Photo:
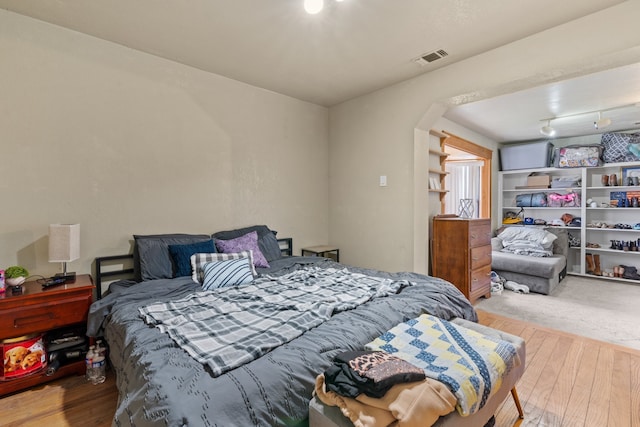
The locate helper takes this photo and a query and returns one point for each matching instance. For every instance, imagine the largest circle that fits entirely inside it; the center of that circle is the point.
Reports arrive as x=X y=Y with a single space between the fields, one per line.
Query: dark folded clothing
x=370 y=372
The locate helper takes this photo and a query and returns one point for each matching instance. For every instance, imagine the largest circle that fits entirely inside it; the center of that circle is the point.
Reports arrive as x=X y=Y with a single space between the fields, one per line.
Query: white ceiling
x=350 y=48
x=518 y=116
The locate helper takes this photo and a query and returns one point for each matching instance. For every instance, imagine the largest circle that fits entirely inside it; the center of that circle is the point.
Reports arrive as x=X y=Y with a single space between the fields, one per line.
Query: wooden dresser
x=461 y=254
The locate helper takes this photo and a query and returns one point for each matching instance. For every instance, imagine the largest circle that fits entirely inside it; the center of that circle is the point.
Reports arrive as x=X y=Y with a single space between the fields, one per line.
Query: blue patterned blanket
x=469 y=363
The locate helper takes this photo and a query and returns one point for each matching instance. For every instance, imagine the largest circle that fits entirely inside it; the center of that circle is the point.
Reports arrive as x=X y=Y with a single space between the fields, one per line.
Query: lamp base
x=69 y=276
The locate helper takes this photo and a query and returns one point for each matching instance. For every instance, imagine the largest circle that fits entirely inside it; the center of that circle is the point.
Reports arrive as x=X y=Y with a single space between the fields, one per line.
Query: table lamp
x=64 y=246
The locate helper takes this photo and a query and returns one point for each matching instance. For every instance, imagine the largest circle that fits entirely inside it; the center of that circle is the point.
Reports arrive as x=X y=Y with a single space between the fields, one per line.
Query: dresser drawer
x=480 y=256
x=479 y=234
x=41 y=317
x=480 y=279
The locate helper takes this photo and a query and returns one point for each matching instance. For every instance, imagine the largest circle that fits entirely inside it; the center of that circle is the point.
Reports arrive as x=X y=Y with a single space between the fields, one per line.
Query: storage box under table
x=526 y=156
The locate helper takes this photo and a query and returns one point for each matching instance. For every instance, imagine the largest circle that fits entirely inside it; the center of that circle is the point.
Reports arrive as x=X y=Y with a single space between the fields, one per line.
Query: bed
x=160 y=383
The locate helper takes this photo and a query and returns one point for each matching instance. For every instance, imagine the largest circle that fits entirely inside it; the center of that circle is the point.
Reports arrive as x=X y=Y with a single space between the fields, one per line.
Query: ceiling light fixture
x=601 y=122
x=315 y=6
x=547 y=130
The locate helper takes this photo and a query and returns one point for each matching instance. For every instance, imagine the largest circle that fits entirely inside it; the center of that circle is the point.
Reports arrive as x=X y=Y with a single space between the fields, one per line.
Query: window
x=468 y=179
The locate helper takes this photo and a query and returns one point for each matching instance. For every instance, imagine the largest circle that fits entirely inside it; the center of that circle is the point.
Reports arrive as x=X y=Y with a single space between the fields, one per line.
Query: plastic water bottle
x=88 y=361
x=99 y=363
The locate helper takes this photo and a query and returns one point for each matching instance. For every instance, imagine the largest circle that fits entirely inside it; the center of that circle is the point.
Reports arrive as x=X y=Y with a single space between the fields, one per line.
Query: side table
x=36 y=310
x=324 y=251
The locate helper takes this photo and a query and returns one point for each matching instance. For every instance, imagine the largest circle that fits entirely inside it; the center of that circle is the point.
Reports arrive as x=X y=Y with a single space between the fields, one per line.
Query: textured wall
x=124 y=142
x=375 y=226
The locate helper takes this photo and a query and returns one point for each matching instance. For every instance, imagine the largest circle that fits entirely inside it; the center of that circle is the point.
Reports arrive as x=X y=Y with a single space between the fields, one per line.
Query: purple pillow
x=247 y=242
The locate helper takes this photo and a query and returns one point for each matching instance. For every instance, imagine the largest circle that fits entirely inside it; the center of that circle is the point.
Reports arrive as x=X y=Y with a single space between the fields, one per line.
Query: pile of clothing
x=416 y=372
x=375 y=389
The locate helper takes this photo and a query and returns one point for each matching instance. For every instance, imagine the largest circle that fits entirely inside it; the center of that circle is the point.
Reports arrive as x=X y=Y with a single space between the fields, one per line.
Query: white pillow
x=232 y=272
x=198 y=260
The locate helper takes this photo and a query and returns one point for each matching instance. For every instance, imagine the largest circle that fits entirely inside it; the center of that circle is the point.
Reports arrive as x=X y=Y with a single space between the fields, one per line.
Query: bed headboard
x=117 y=266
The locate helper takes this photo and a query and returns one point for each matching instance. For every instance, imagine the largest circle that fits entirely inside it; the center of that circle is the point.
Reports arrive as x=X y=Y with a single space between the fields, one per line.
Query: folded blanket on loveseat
x=469 y=363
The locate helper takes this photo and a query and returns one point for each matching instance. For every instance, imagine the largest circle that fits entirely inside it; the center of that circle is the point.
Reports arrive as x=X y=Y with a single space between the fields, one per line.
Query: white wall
x=124 y=142
x=374 y=134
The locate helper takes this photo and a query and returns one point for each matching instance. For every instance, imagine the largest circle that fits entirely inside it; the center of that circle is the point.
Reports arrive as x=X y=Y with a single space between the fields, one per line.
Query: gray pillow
x=267 y=241
x=151 y=257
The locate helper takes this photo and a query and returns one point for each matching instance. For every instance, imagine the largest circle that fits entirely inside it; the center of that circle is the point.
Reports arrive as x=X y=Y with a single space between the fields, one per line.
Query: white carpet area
x=600 y=309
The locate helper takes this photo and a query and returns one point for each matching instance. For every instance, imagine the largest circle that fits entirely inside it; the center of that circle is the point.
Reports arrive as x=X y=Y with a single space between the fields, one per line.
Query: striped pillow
x=198 y=260
x=232 y=272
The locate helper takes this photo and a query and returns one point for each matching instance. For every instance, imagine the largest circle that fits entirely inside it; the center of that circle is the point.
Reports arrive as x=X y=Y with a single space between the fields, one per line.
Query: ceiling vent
x=431 y=56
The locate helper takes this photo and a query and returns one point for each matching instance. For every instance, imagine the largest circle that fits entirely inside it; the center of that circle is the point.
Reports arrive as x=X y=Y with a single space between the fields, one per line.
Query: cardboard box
x=538 y=181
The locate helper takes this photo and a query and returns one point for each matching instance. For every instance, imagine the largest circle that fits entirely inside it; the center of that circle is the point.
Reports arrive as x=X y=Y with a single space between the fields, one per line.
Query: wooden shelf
x=625 y=230
x=438 y=153
x=432 y=190
x=438 y=133
x=438 y=171
x=525 y=189
x=615 y=251
x=513 y=208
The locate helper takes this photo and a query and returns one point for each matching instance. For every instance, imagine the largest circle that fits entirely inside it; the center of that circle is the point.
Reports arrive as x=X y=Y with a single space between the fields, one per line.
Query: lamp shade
x=64 y=242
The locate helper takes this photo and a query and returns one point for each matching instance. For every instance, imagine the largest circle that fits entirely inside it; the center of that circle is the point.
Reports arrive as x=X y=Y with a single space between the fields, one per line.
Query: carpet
x=604 y=310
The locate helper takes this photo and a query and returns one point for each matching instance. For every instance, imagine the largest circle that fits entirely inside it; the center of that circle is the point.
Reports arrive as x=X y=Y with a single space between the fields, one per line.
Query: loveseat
x=540 y=273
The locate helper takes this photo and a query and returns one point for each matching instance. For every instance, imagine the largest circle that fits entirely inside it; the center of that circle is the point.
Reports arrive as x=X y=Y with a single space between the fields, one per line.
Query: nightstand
x=323 y=251
x=37 y=311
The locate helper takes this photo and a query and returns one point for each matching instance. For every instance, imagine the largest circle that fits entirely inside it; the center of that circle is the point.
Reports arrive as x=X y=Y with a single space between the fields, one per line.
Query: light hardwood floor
x=568 y=381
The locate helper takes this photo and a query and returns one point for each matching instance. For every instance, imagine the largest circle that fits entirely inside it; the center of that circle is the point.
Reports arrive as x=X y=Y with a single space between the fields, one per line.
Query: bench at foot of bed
x=321 y=415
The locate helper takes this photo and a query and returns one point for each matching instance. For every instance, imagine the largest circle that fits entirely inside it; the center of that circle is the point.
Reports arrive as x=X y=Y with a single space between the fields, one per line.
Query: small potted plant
x=15 y=275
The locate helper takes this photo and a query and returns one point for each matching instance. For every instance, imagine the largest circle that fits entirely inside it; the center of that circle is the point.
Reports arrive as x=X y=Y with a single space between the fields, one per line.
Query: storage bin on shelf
x=526 y=156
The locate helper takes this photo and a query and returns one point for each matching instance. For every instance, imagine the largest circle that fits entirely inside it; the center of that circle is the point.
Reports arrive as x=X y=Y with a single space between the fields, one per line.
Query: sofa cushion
x=496 y=244
x=546 y=267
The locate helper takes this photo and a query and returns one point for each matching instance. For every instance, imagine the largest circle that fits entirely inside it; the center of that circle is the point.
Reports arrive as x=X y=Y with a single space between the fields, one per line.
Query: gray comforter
x=160 y=384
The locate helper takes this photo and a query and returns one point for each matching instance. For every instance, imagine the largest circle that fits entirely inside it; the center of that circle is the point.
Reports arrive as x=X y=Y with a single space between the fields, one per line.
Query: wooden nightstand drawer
x=18 y=321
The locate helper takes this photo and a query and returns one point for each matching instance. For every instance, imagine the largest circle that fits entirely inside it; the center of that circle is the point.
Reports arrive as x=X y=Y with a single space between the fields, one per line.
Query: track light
x=601 y=123
x=547 y=130
x=315 y=6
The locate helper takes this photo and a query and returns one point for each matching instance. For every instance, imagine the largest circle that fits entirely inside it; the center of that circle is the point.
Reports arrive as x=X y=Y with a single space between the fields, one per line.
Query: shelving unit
x=438 y=157
x=590 y=188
